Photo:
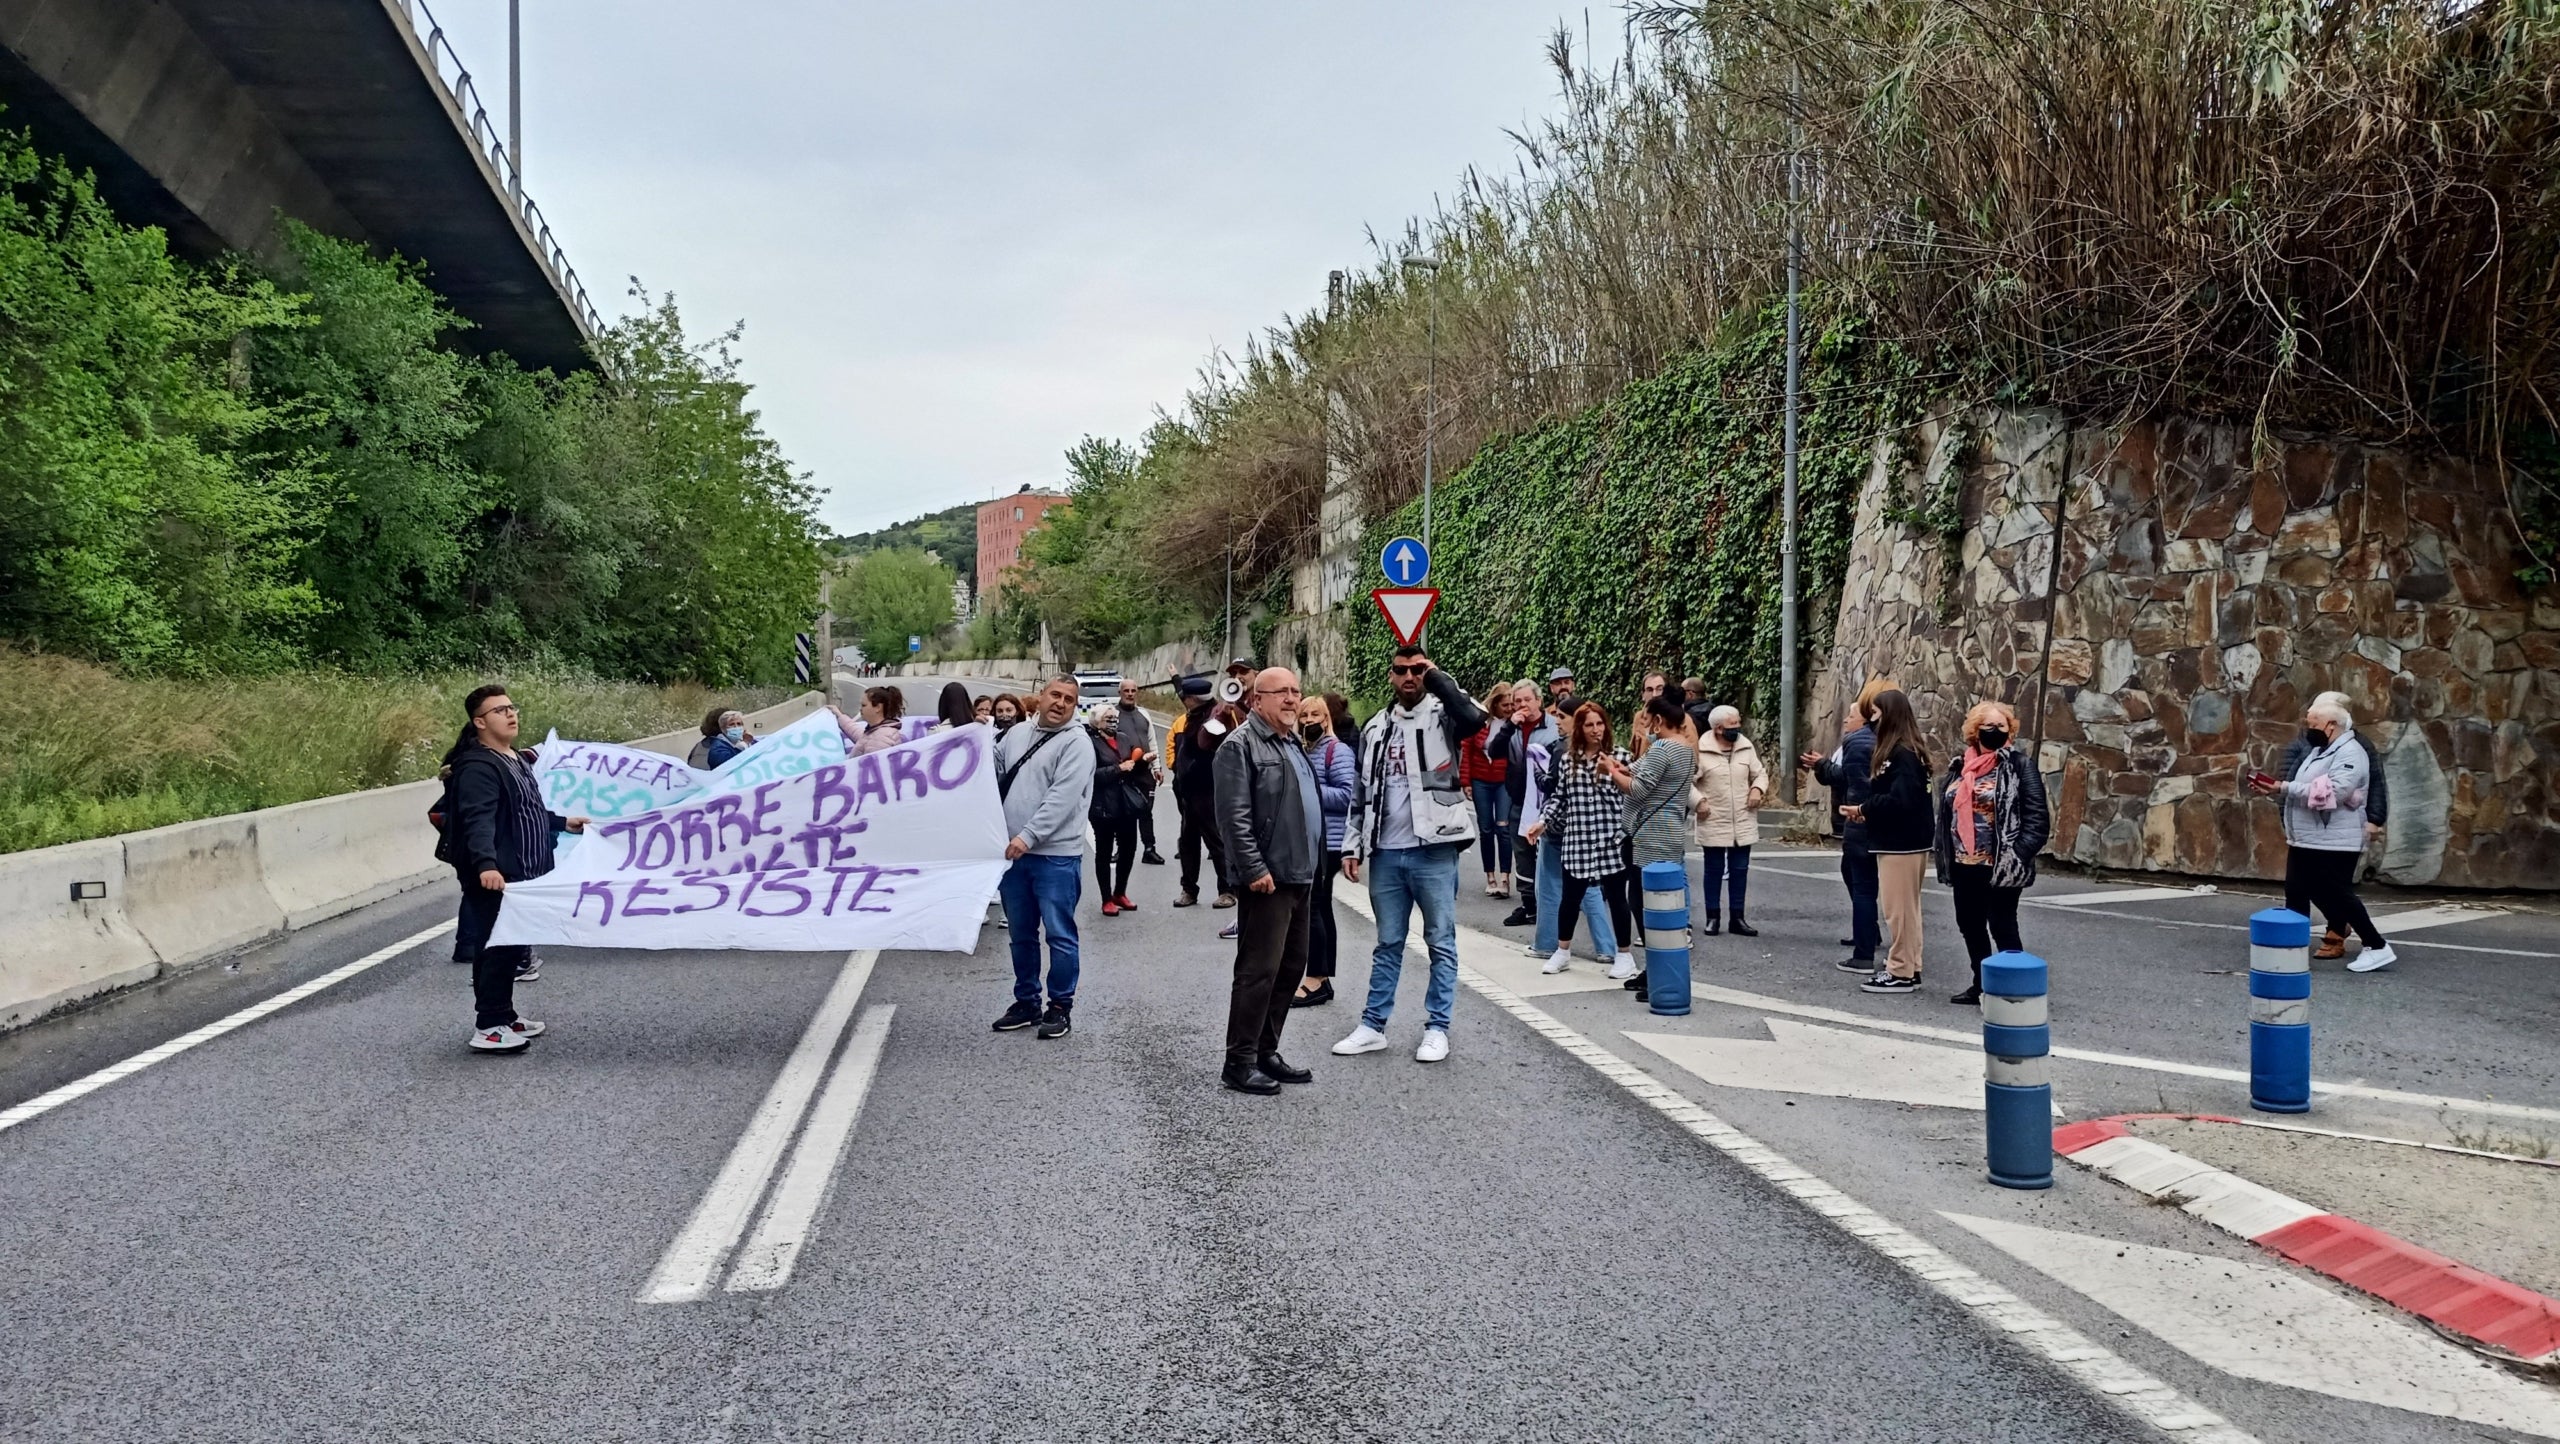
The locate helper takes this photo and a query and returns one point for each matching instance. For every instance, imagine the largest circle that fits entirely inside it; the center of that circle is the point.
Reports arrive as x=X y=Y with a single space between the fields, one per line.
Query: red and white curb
x=2486 y=1309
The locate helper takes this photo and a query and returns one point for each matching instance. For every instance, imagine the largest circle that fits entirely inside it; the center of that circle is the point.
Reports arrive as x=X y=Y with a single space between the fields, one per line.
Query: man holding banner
x=499 y=831
x=1044 y=773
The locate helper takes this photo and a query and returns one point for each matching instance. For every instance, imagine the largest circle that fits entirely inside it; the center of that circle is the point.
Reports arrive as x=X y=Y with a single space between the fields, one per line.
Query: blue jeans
x=1493 y=824
x=1550 y=891
x=1727 y=863
x=1858 y=870
x=1400 y=880
x=1039 y=895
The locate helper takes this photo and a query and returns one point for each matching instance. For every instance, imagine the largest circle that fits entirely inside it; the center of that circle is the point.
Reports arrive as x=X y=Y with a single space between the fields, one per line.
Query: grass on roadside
x=89 y=753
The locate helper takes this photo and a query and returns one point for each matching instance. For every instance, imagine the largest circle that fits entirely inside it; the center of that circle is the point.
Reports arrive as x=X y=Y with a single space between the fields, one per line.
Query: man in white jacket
x=1044 y=769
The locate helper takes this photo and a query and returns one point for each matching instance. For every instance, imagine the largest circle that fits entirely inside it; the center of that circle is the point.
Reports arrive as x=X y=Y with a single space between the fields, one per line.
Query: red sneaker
x=1111 y=907
x=1126 y=906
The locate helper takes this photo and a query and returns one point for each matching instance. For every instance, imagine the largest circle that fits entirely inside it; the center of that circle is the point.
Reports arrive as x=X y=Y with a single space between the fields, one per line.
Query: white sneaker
x=497 y=1040
x=1624 y=968
x=1435 y=1046
x=1557 y=961
x=1531 y=948
x=1363 y=1039
x=527 y=1028
x=2373 y=960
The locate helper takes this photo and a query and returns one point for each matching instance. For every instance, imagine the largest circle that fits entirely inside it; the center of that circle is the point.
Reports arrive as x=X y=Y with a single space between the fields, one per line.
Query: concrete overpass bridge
x=210 y=118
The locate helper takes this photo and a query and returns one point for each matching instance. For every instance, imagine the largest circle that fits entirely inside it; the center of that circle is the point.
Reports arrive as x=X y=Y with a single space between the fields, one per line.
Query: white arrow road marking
x=792 y=1217
x=685 y=1272
x=1831 y=1062
x=2273 y=1324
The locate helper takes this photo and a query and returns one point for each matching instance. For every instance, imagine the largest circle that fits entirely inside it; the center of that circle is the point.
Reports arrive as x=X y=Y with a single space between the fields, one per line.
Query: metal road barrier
x=2017 y=1079
x=1666 y=938
x=2279 y=1011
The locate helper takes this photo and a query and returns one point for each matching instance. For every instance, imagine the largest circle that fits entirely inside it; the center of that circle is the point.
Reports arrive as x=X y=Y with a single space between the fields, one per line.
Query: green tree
x=892 y=595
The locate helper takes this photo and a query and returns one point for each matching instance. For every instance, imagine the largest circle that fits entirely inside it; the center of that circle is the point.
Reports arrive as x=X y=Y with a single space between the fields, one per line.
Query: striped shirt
x=527 y=818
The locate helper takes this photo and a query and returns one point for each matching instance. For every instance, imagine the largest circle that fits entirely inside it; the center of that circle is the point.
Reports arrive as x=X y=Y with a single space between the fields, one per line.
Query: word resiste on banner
x=900 y=848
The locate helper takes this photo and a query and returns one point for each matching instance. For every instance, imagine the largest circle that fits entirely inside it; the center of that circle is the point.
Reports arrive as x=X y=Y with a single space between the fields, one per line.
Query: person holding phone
x=2324 y=825
x=1992 y=821
x=1900 y=832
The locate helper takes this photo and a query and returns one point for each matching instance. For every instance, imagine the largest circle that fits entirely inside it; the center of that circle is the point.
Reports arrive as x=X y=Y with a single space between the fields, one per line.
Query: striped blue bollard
x=2279 y=1011
x=2017 y=1081
x=1666 y=938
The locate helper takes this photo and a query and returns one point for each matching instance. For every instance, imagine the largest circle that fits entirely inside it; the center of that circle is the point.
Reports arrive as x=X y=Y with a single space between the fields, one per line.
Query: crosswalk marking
x=2273 y=1324
x=2123 y=895
x=2442 y=915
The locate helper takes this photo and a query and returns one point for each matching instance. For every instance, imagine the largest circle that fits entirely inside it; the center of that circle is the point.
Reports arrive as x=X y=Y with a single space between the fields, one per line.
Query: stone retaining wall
x=2196 y=603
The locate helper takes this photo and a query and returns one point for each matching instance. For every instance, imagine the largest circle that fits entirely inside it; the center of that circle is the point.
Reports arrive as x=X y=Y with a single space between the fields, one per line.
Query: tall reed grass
x=86 y=752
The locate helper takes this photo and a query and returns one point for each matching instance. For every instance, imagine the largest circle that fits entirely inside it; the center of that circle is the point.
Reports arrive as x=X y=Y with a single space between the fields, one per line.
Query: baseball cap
x=1561 y=674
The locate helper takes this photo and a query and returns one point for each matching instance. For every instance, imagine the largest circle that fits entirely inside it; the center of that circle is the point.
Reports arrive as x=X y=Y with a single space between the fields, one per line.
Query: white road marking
x=2259 y=1321
x=1828 y=1062
x=81 y=1087
x=686 y=1271
x=2124 y=894
x=791 y=1217
x=2441 y=915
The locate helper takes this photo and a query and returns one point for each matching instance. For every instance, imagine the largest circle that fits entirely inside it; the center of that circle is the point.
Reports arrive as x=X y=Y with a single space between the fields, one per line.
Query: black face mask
x=2315 y=736
x=1727 y=734
x=1312 y=731
x=1993 y=738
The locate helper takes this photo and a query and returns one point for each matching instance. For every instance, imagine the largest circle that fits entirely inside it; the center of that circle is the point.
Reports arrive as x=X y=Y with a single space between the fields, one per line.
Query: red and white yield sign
x=1406 y=608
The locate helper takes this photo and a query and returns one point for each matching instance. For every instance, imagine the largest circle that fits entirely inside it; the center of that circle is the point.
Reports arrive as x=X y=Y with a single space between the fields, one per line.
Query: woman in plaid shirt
x=1585 y=809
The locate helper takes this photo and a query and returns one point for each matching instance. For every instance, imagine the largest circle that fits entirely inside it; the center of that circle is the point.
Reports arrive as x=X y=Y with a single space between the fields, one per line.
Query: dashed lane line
x=44 y=1103
x=693 y=1260
x=2101 y=1370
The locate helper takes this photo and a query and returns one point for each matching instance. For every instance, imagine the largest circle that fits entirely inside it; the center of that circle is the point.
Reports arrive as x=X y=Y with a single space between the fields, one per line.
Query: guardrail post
x=2279 y=1011
x=1666 y=938
x=2017 y=1081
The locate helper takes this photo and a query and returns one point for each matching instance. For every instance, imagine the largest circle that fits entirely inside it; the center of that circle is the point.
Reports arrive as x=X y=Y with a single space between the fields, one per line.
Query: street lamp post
x=1430 y=387
x=515 y=102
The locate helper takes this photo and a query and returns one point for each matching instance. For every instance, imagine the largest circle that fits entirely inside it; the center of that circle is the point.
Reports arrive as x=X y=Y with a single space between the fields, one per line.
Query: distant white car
x=1093 y=689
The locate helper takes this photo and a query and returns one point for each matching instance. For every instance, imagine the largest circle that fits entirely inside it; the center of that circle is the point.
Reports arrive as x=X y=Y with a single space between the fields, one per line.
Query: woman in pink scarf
x=1992 y=821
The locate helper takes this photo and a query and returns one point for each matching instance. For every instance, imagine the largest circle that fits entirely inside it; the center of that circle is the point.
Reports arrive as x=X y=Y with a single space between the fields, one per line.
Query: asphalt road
x=336 y=1223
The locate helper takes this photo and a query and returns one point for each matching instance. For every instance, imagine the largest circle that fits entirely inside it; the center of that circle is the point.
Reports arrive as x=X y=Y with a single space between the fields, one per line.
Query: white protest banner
x=801 y=747
x=900 y=848
x=604 y=781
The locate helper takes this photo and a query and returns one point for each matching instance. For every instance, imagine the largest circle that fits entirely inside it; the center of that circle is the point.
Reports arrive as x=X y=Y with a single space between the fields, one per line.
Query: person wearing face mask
x=732 y=739
x=1992 y=821
x=2377 y=808
x=1337 y=778
x=1731 y=785
x=2324 y=826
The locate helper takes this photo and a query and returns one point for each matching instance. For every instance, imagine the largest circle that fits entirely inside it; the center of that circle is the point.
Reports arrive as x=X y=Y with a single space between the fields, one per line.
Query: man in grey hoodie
x=1044 y=771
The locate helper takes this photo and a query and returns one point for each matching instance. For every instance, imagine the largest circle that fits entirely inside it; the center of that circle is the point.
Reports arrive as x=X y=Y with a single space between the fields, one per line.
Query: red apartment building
x=1002 y=524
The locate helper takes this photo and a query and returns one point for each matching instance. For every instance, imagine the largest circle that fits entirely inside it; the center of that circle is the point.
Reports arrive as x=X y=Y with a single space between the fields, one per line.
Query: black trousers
x=493 y=970
x=1321 y=930
x=1615 y=887
x=2327 y=880
x=1199 y=831
x=1271 y=956
x=1115 y=851
x=1986 y=915
x=1858 y=872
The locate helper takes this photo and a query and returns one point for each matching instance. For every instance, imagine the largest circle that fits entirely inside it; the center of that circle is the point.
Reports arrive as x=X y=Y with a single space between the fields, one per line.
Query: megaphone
x=1230 y=689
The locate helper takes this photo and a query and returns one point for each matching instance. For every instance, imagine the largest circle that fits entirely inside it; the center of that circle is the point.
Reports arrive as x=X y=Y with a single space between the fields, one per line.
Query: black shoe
x=1521 y=916
x=1972 y=996
x=1245 y=1078
x=1884 y=982
x=1151 y=858
x=1187 y=900
x=1323 y=994
x=1848 y=942
x=1741 y=929
x=1275 y=1066
x=1713 y=925
x=1856 y=965
x=1634 y=984
x=1053 y=1023
x=1018 y=1017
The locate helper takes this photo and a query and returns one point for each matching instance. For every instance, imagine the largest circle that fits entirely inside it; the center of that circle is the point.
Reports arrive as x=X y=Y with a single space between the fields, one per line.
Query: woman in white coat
x=1731 y=785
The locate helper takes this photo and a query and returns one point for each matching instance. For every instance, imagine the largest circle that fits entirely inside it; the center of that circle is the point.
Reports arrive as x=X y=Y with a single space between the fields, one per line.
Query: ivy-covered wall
x=1643 y=534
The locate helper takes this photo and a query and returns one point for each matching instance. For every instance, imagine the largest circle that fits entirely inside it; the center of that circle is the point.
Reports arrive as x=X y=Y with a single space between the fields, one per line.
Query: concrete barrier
x=193 y=889
x=178 y=895
x=59 y=948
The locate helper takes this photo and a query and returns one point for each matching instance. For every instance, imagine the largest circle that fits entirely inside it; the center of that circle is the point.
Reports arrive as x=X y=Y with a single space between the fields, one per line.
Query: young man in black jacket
x=498 y=832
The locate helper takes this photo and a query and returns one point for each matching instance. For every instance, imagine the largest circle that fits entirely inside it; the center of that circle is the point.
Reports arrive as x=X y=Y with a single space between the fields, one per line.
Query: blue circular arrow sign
x=1406 y=561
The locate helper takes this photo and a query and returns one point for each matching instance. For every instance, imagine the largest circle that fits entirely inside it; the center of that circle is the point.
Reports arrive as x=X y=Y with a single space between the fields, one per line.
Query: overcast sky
x=963 y=236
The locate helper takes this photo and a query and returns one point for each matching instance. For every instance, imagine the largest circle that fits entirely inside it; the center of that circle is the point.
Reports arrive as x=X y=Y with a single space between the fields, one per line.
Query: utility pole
x=1430 y=396
x=1787 y=599
x=1227 y=618
x=515 y=103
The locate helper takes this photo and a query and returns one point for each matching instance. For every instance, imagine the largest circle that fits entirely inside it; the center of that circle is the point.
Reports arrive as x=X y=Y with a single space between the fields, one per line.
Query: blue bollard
x=1666 y=938
x=2017 y=1082
x=2279 y=1011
